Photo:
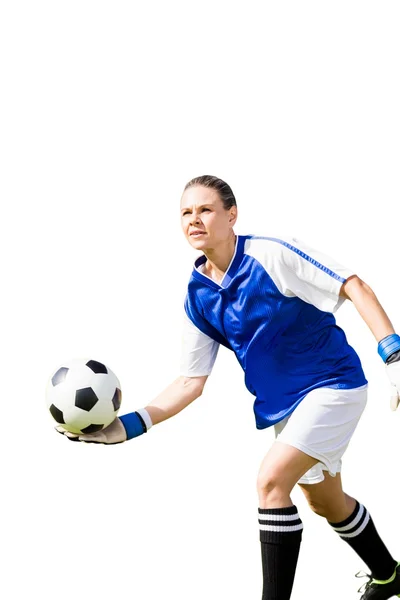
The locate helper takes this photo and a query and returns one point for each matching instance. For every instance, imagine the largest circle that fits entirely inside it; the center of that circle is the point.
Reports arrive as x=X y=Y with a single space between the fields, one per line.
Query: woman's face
x=205 y=222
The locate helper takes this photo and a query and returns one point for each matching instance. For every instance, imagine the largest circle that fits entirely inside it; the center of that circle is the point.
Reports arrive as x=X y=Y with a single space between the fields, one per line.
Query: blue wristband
x=134 y=425
x=389 y=345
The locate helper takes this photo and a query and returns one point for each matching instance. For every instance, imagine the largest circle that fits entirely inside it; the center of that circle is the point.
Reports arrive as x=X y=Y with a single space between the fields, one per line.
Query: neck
x=219 y=258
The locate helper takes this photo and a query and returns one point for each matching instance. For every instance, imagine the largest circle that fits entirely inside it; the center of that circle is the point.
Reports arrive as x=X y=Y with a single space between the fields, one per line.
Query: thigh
x=329 y=490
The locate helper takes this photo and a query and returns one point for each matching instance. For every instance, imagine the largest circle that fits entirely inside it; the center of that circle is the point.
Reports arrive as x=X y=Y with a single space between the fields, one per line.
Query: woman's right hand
x=115 y=433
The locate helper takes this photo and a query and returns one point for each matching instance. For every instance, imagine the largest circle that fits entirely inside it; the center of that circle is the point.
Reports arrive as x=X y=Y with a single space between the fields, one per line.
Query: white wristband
x=146 y=417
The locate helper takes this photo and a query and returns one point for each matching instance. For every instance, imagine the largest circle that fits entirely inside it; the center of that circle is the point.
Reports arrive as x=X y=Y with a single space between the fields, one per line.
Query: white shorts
x=322 y=426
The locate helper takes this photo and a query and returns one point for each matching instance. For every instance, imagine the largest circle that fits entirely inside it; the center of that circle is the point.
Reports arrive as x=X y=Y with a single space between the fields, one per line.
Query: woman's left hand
x=113 y=434
x=393 y=371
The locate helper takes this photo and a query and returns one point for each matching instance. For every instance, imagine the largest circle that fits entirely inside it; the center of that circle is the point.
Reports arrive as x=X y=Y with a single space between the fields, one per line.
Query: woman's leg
x=352 y=522
x=327 y=499
x=280 y=524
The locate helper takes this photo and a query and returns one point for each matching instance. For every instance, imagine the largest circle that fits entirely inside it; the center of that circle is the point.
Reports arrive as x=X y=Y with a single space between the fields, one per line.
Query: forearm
x=171 y=401
x=368 y=306
x=179 y=394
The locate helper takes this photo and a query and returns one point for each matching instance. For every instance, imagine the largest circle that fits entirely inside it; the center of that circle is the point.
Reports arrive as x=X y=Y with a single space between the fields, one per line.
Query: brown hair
x=220 y=186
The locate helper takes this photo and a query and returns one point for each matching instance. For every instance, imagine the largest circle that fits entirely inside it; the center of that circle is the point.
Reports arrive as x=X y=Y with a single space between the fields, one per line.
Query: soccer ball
x=83 y=396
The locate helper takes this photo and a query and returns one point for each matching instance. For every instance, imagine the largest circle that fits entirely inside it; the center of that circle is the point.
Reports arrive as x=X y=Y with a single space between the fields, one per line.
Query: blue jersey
x=273 y=309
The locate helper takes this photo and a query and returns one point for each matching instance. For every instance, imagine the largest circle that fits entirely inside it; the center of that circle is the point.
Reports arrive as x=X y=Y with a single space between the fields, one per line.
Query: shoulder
x=271 y=249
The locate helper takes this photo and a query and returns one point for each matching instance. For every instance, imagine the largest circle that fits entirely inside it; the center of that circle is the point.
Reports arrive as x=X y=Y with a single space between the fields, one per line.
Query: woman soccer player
x=271 y=301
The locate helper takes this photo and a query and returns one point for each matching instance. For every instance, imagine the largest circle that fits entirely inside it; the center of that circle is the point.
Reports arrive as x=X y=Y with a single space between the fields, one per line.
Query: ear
x=233 y=215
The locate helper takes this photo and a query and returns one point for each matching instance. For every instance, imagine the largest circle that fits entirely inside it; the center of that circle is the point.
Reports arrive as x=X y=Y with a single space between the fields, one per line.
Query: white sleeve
x=199 y=351
x=299 y=270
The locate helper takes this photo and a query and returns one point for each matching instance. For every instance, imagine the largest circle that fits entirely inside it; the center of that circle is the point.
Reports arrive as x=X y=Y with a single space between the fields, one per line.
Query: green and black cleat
x=374 y=589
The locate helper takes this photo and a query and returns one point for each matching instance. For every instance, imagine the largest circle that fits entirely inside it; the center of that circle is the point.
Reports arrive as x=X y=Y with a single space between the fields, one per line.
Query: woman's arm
x=368 y=306
x=179 y=394
x=377 y=320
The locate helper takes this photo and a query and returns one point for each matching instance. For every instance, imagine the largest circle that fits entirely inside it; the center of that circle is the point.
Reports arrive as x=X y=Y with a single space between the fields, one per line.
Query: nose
x=194 y=218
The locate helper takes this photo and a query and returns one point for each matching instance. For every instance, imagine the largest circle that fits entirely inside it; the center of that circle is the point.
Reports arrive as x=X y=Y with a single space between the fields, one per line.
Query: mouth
x=196 y=234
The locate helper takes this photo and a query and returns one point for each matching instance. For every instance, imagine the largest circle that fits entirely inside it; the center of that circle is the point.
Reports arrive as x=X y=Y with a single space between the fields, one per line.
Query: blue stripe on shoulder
x=303 y=255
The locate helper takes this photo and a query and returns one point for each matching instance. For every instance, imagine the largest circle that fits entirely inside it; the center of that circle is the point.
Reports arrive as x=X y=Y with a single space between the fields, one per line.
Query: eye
x=203 y=209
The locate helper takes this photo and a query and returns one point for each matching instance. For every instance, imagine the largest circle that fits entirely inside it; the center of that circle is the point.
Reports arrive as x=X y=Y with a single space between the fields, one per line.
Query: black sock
x=358 y=530
x=280 y=536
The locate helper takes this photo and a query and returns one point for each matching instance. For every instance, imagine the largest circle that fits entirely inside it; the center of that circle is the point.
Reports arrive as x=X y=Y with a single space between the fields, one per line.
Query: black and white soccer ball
x=83 y=396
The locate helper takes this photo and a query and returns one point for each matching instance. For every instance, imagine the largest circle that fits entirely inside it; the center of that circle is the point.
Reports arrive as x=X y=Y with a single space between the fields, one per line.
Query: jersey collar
x=229 y=273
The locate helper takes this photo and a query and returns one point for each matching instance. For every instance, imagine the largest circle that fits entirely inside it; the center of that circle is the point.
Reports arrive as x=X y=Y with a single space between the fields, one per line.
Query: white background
x=108 y=109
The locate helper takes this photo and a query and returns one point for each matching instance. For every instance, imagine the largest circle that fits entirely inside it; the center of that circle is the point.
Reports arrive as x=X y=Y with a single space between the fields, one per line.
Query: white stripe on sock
x=267 y=517
x=281 y=528
x=353 y=522
x=357 y=531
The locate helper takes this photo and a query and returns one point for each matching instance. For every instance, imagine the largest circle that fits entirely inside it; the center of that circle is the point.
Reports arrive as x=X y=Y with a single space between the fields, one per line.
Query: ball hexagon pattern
x=83 y=395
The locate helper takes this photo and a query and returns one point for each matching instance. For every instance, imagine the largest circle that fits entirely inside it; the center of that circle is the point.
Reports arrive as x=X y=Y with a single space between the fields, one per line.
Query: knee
x=319 y=508
x=332 y=511
x=333 y=508
x=271 y=483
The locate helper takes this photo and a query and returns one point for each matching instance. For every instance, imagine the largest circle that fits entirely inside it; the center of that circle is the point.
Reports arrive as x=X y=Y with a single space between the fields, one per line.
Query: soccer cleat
x=374 y=589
